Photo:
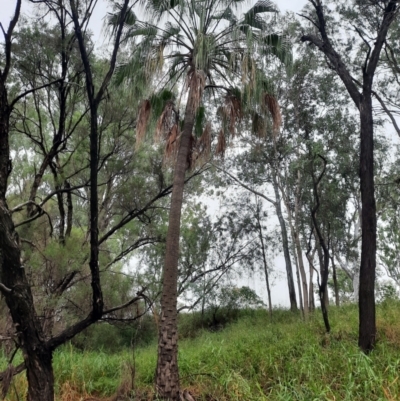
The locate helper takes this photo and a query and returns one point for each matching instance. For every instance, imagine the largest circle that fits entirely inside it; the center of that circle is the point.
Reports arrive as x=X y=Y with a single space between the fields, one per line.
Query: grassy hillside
x=252 y=360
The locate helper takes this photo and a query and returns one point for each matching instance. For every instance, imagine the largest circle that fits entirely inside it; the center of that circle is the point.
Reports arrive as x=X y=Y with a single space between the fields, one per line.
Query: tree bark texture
x=366 y=299
x=167 y=373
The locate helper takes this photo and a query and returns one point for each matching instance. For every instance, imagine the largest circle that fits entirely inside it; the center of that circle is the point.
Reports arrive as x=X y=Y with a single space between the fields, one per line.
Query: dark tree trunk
x=335 y=282
x=18 y=296
x=367 y=327
x=285 y=245
x=321 y=243
x=167 y=373
x=322 y=271
x=40 y=375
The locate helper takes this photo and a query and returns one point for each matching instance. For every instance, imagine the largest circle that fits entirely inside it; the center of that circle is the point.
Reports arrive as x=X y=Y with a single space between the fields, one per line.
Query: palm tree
x=206 y=49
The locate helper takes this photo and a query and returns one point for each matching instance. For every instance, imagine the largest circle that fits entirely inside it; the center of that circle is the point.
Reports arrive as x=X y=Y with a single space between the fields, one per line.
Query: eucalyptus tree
x=373 y=38
x=207 y=49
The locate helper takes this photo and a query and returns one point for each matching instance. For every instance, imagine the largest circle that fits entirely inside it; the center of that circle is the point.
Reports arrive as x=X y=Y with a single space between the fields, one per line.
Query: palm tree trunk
x=167 y=374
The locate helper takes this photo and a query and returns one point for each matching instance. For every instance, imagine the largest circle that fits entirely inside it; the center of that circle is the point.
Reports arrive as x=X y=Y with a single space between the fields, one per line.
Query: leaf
x=252 y=18
x=226 y=14
x=279 y=47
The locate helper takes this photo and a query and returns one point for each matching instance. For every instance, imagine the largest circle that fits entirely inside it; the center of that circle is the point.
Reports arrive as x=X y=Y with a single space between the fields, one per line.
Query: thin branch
x=33 y=90
x=5 y=290
x=388 y=112
x=139 y=296
x=244 y=185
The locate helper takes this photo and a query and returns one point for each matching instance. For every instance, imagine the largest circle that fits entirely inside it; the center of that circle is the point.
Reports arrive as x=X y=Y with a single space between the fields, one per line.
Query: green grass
x=255 y=360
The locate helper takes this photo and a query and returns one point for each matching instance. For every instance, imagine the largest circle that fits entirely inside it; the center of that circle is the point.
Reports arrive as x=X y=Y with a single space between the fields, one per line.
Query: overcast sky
x=7 y=8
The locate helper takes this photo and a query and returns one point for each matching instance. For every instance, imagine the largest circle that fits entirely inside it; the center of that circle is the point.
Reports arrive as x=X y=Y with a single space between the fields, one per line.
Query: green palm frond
x=227 y=15
x=171 y=31
x=262 y=6
x=252 y=19
x=278 y=46
x=142 y=29
x=113 y=18
x=161 y=6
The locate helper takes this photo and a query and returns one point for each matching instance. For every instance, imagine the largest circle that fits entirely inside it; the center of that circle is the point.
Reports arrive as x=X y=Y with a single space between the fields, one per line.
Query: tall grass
x=251 y=360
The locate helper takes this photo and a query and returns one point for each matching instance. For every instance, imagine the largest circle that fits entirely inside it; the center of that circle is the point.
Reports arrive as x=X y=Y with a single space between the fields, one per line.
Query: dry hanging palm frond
x=221 y=144
x=233 y=111
x=201 y=148
x=273 y=107
x=165 y=122
x=258 y=126
x=171 y=145
x=142 y=121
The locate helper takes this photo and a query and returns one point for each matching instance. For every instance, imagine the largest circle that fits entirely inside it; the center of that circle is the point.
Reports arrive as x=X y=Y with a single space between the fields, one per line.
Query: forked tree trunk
x=167 y=374
x=297 y=251
x=285 y=244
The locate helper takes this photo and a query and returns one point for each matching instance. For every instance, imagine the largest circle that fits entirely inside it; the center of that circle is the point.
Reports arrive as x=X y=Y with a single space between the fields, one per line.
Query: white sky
x=7 y=8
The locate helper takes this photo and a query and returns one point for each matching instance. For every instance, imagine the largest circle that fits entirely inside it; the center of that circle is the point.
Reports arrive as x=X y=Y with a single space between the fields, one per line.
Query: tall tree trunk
x=367 y=326
x=322 y=271
x=298 y=253
x=298 y=280
x=321 y=243
x=296 y=239
x=265 y=264
x=167 y=374
x=285 y=244
x=335 y=282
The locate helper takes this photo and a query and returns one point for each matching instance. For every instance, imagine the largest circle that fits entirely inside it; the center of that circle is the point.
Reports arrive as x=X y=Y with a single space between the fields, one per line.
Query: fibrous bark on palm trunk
x=167 y=374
